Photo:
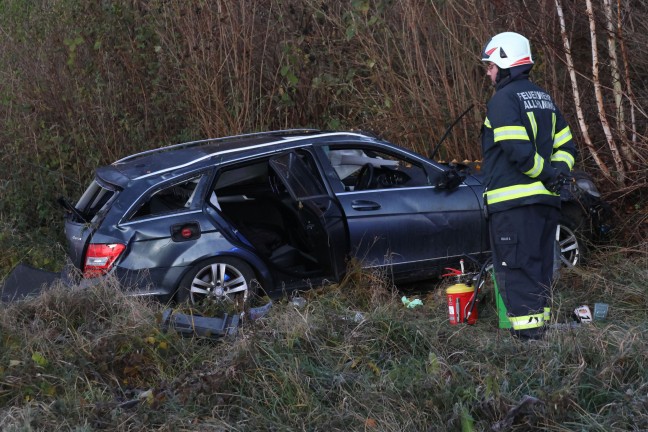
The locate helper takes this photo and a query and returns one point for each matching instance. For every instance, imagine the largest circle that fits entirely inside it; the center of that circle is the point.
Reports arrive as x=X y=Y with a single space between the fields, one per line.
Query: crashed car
x=277 y=211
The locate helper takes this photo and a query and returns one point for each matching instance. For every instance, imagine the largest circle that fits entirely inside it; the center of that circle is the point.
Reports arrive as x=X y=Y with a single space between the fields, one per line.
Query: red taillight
x=99 y=258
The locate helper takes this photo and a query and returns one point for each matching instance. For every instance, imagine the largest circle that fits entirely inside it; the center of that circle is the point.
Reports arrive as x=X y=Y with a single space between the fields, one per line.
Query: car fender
x=261 y=270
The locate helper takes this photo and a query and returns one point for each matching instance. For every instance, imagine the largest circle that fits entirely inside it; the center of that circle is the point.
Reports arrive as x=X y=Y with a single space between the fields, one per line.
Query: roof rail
x=215 y=140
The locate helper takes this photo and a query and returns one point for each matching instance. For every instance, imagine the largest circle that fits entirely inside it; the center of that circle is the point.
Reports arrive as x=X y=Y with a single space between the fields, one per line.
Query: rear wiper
x=69 y=208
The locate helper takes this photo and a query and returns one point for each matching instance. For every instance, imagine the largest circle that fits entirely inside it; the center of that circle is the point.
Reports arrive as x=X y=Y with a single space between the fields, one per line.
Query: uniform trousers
x=523 y=244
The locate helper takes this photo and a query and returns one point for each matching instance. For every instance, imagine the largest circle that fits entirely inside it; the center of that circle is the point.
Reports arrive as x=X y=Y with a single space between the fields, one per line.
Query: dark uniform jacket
x=526 y=143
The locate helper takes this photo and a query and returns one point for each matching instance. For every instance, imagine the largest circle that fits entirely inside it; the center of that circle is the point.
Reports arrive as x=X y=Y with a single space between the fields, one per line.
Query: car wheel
x=570 y=244
x=573 y=233
x=223 y=281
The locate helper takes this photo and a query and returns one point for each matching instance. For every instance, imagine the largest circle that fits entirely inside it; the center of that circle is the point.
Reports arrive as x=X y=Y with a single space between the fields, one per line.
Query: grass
x=354 y=358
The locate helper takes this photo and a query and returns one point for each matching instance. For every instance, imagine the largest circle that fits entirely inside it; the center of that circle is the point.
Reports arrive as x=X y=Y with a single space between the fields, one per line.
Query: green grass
x=353 y=359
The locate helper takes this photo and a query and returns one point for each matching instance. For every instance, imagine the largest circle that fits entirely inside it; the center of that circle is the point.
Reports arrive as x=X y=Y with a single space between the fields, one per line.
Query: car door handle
x=363 y=205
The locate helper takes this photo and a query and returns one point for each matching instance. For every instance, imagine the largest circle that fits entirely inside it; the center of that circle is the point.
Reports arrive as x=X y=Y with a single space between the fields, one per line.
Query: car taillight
x=99 y=258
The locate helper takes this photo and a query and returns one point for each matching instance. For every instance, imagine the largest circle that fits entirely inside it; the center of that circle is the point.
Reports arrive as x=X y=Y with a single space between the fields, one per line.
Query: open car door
x=318 y=212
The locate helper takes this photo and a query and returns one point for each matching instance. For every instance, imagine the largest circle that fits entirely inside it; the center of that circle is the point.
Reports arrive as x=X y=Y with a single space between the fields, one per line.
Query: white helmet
x=507 y=50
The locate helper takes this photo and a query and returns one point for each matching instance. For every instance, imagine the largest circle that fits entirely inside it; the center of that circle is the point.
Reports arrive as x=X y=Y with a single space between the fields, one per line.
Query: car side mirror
x=450 y=179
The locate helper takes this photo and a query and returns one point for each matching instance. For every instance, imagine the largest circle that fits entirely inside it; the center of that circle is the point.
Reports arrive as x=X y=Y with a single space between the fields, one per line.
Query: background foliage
x=84 y=83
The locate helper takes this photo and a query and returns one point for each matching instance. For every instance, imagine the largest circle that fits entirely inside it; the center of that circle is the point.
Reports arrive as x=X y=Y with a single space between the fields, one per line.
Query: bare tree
x=628 y=83
x=616 y=156
x=614 y=67
x=577 y=99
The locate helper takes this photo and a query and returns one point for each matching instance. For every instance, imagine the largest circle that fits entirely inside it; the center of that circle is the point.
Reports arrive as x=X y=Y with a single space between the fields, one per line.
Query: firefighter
x=528 y=155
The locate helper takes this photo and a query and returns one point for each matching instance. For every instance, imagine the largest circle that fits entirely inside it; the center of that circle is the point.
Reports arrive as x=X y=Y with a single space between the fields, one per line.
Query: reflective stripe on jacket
x=525 y=141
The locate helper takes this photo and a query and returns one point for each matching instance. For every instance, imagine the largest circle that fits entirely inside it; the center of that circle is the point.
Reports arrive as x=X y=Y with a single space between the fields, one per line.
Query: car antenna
x=447 y=132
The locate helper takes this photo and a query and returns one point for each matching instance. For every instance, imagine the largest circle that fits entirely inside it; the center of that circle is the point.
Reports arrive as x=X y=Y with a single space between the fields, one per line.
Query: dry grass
x=352 y=359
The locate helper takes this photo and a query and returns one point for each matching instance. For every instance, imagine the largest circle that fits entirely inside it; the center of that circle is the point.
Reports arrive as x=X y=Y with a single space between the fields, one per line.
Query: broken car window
x=176 y=197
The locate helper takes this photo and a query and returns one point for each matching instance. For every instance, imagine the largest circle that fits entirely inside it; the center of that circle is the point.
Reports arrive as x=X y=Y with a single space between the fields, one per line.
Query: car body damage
x=279 y=210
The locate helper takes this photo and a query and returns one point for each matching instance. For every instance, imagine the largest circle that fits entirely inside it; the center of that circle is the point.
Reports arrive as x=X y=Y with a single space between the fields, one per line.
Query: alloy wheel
x=219 y=282
x=570 y=247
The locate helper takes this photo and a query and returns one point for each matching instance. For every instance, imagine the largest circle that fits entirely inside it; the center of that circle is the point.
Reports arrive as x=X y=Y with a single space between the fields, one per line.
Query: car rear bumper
x=149 y=282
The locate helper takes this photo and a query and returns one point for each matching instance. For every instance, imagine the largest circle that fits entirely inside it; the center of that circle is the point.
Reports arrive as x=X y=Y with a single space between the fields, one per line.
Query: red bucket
x=459 y=298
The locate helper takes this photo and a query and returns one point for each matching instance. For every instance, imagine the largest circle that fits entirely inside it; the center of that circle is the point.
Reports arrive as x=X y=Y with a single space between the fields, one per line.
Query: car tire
x=227 y=281
x=570 y=237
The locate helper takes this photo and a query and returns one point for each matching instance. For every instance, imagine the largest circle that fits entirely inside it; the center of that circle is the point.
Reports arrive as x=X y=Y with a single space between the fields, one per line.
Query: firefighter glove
x=555 y=185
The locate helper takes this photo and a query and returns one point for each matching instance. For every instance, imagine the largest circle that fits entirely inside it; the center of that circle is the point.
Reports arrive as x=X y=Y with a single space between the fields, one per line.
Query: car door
x=319 y=213
x=411 y=225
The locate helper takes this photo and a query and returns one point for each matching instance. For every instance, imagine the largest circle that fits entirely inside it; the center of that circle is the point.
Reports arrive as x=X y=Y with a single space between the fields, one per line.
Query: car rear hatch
x=82 y=219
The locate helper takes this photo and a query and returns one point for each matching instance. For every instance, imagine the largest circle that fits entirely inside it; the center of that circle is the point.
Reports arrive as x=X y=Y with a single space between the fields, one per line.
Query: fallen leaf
x=370 y=423
x=39 y=359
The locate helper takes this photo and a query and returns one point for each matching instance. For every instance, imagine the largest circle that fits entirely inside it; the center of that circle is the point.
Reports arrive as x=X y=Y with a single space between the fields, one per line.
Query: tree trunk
x=618 y=161
x=614 y=67
x=629 y=91
x=577 y=102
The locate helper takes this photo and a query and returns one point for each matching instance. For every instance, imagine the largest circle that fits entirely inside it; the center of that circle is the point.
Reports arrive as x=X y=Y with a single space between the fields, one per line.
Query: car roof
x=161 y=160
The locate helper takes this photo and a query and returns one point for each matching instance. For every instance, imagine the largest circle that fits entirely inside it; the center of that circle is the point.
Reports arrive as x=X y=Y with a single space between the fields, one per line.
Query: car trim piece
x=242 y=149
x=364 y=205
x=164 y=216
x=397 y=189
x=390 y=264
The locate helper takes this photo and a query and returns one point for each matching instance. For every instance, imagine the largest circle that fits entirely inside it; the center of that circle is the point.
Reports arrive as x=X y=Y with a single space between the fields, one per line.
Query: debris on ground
x=298 y=302
x=583 y=313
x=411 y=304
x=26 y=281
x=523 y=413
x=192 y=325
x=260 y=311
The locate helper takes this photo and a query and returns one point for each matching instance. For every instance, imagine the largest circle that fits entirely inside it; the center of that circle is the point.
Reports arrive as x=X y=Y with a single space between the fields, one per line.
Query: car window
x=239 y=183
x=178 y=196
x=299 y=173
x=94 y=199
x=368 y=169
x=255 y=180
